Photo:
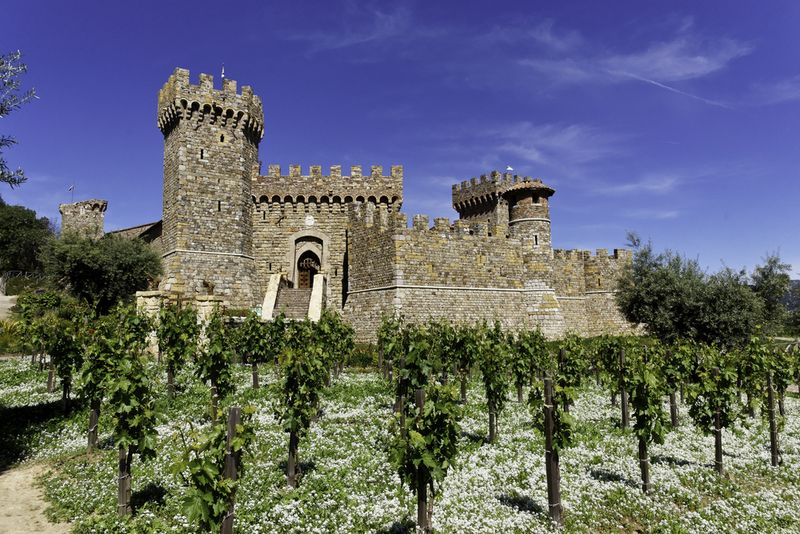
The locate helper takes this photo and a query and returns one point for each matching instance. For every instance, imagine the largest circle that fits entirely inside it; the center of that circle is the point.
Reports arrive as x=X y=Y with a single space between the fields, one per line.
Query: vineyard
x=244 y=426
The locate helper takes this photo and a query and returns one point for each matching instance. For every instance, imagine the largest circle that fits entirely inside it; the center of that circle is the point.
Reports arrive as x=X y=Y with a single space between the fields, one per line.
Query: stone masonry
x=227 y=231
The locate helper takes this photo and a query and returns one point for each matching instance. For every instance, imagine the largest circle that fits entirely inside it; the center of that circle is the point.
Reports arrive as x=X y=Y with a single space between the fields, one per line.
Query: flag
x=71 y=188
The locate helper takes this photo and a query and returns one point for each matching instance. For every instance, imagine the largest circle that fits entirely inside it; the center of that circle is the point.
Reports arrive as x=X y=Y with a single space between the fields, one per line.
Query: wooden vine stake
x=623 y=393
x=717 y=430
x=124 y=481
x=551 y=457
x=423 y=520
x=231 y=465
x=644 y=458
x=94 y=417
x=775 y=458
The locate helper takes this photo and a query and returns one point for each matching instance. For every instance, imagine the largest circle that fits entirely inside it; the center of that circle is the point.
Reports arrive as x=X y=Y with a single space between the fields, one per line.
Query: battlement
x=600 y=253
x=489 y=187
x=86 y=217
x=179 y=98
x=295 y=187
x=397 y=224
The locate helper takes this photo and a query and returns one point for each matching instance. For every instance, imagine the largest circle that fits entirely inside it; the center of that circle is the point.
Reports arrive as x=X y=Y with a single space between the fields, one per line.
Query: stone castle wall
x=85 y=218
x=469 y=272
x=293 y=209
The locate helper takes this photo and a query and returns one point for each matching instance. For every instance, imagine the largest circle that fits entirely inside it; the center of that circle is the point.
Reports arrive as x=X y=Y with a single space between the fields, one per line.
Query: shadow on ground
x=609 y=476
x=19 y=425
x=522 y=503
x=406 y=526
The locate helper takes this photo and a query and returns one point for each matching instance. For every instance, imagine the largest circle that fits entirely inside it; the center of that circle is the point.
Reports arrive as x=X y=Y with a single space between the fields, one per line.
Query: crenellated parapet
x=373 y=188
x=179 y=99
x=483 y=194
x=579 y=272
x=86 y=217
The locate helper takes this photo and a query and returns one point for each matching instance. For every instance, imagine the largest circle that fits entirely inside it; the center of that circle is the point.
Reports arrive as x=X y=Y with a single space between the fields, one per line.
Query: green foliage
x=11 y=68
x=662 y=291
x=335 y=336
x=530 y=356
x=647 y=385
x=64 y=338
x=771 y=283
x=713 y=387
x=493 y=360
x=22 y=236
x=202 y=466
x=122 y=336
x=215 y=357
x=102 y=272
x=10 y=341
x=177 y=334
x=250 y=340
x=304 y=371
x=33 y=309
x=675 y=299
x=390 y=338
x=566 y=371
x=425 y=444
x=731 y=312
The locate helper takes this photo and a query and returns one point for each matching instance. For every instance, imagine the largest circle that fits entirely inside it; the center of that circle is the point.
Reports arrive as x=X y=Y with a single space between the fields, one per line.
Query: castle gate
x=308 y=255
x=307 y=266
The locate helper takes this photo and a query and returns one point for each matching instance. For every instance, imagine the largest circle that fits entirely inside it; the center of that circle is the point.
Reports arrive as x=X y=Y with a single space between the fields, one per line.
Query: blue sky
x=677 y=120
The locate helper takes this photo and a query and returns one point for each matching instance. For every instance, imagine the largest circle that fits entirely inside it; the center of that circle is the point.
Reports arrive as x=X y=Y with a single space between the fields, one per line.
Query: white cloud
x=679 y=59
x=650 y=213
x=682 y=58
x=360 y=26
x=557 y=144
x=650 y=183
x=776 y=92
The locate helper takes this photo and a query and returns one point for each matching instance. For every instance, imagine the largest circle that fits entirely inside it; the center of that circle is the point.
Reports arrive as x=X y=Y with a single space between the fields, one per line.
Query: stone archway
x=304 y=245
x=308 y=265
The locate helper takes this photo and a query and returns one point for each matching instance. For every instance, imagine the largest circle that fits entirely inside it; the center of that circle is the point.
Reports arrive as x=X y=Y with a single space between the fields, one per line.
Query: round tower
x=529 y=212
x=211 y=140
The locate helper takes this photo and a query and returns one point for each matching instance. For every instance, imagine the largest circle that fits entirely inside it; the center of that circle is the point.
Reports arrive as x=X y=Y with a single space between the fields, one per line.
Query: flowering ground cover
x=348 y=484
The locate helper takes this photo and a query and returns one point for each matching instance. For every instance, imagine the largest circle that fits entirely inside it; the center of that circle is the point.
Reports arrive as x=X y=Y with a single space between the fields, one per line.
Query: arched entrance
x=308 y=265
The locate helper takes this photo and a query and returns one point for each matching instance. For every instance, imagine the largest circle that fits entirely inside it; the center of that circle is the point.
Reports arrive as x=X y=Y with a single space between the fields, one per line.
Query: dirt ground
x=5 y=304
x=21 y=503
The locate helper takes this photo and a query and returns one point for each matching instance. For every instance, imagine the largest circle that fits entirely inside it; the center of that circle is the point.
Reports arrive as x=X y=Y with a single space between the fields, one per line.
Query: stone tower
x=211 y=140
x=499 y=199
x=529 y=212
x=86 y=217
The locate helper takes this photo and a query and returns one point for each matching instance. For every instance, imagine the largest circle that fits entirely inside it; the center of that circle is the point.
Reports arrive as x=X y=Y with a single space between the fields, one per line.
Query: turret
x=86 y=218
x=504 y=199
x=529 y=212
x=211 y=139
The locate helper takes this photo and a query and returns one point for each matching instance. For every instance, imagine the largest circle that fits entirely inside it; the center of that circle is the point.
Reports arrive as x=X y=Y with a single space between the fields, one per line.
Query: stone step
x=293 y=303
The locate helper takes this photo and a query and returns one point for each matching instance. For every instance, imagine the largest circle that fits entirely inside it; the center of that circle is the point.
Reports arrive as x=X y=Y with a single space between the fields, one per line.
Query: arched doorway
x=308 y=265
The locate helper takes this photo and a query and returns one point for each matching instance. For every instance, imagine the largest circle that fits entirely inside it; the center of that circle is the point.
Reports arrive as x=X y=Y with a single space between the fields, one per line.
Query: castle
x=298 y=242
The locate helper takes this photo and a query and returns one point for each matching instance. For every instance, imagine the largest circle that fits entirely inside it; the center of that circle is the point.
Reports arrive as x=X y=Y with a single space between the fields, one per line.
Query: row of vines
x=427 y=366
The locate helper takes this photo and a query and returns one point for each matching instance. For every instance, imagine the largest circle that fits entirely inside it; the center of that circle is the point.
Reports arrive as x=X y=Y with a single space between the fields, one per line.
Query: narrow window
x=219 y=205
x=535 y=240
x=263 y=215
x=222 y=138
x=270 y=266
x=335 y=271
x=202 y=153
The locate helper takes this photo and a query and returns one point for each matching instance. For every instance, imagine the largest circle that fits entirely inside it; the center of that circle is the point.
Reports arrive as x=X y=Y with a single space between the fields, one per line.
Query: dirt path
x=5 y=305
x=22 y=505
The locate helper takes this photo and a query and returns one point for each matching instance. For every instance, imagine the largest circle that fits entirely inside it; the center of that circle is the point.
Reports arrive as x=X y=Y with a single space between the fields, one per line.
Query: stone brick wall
x=292 y=208
x=466 y=273
x=210 y=161
x=86 y=217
